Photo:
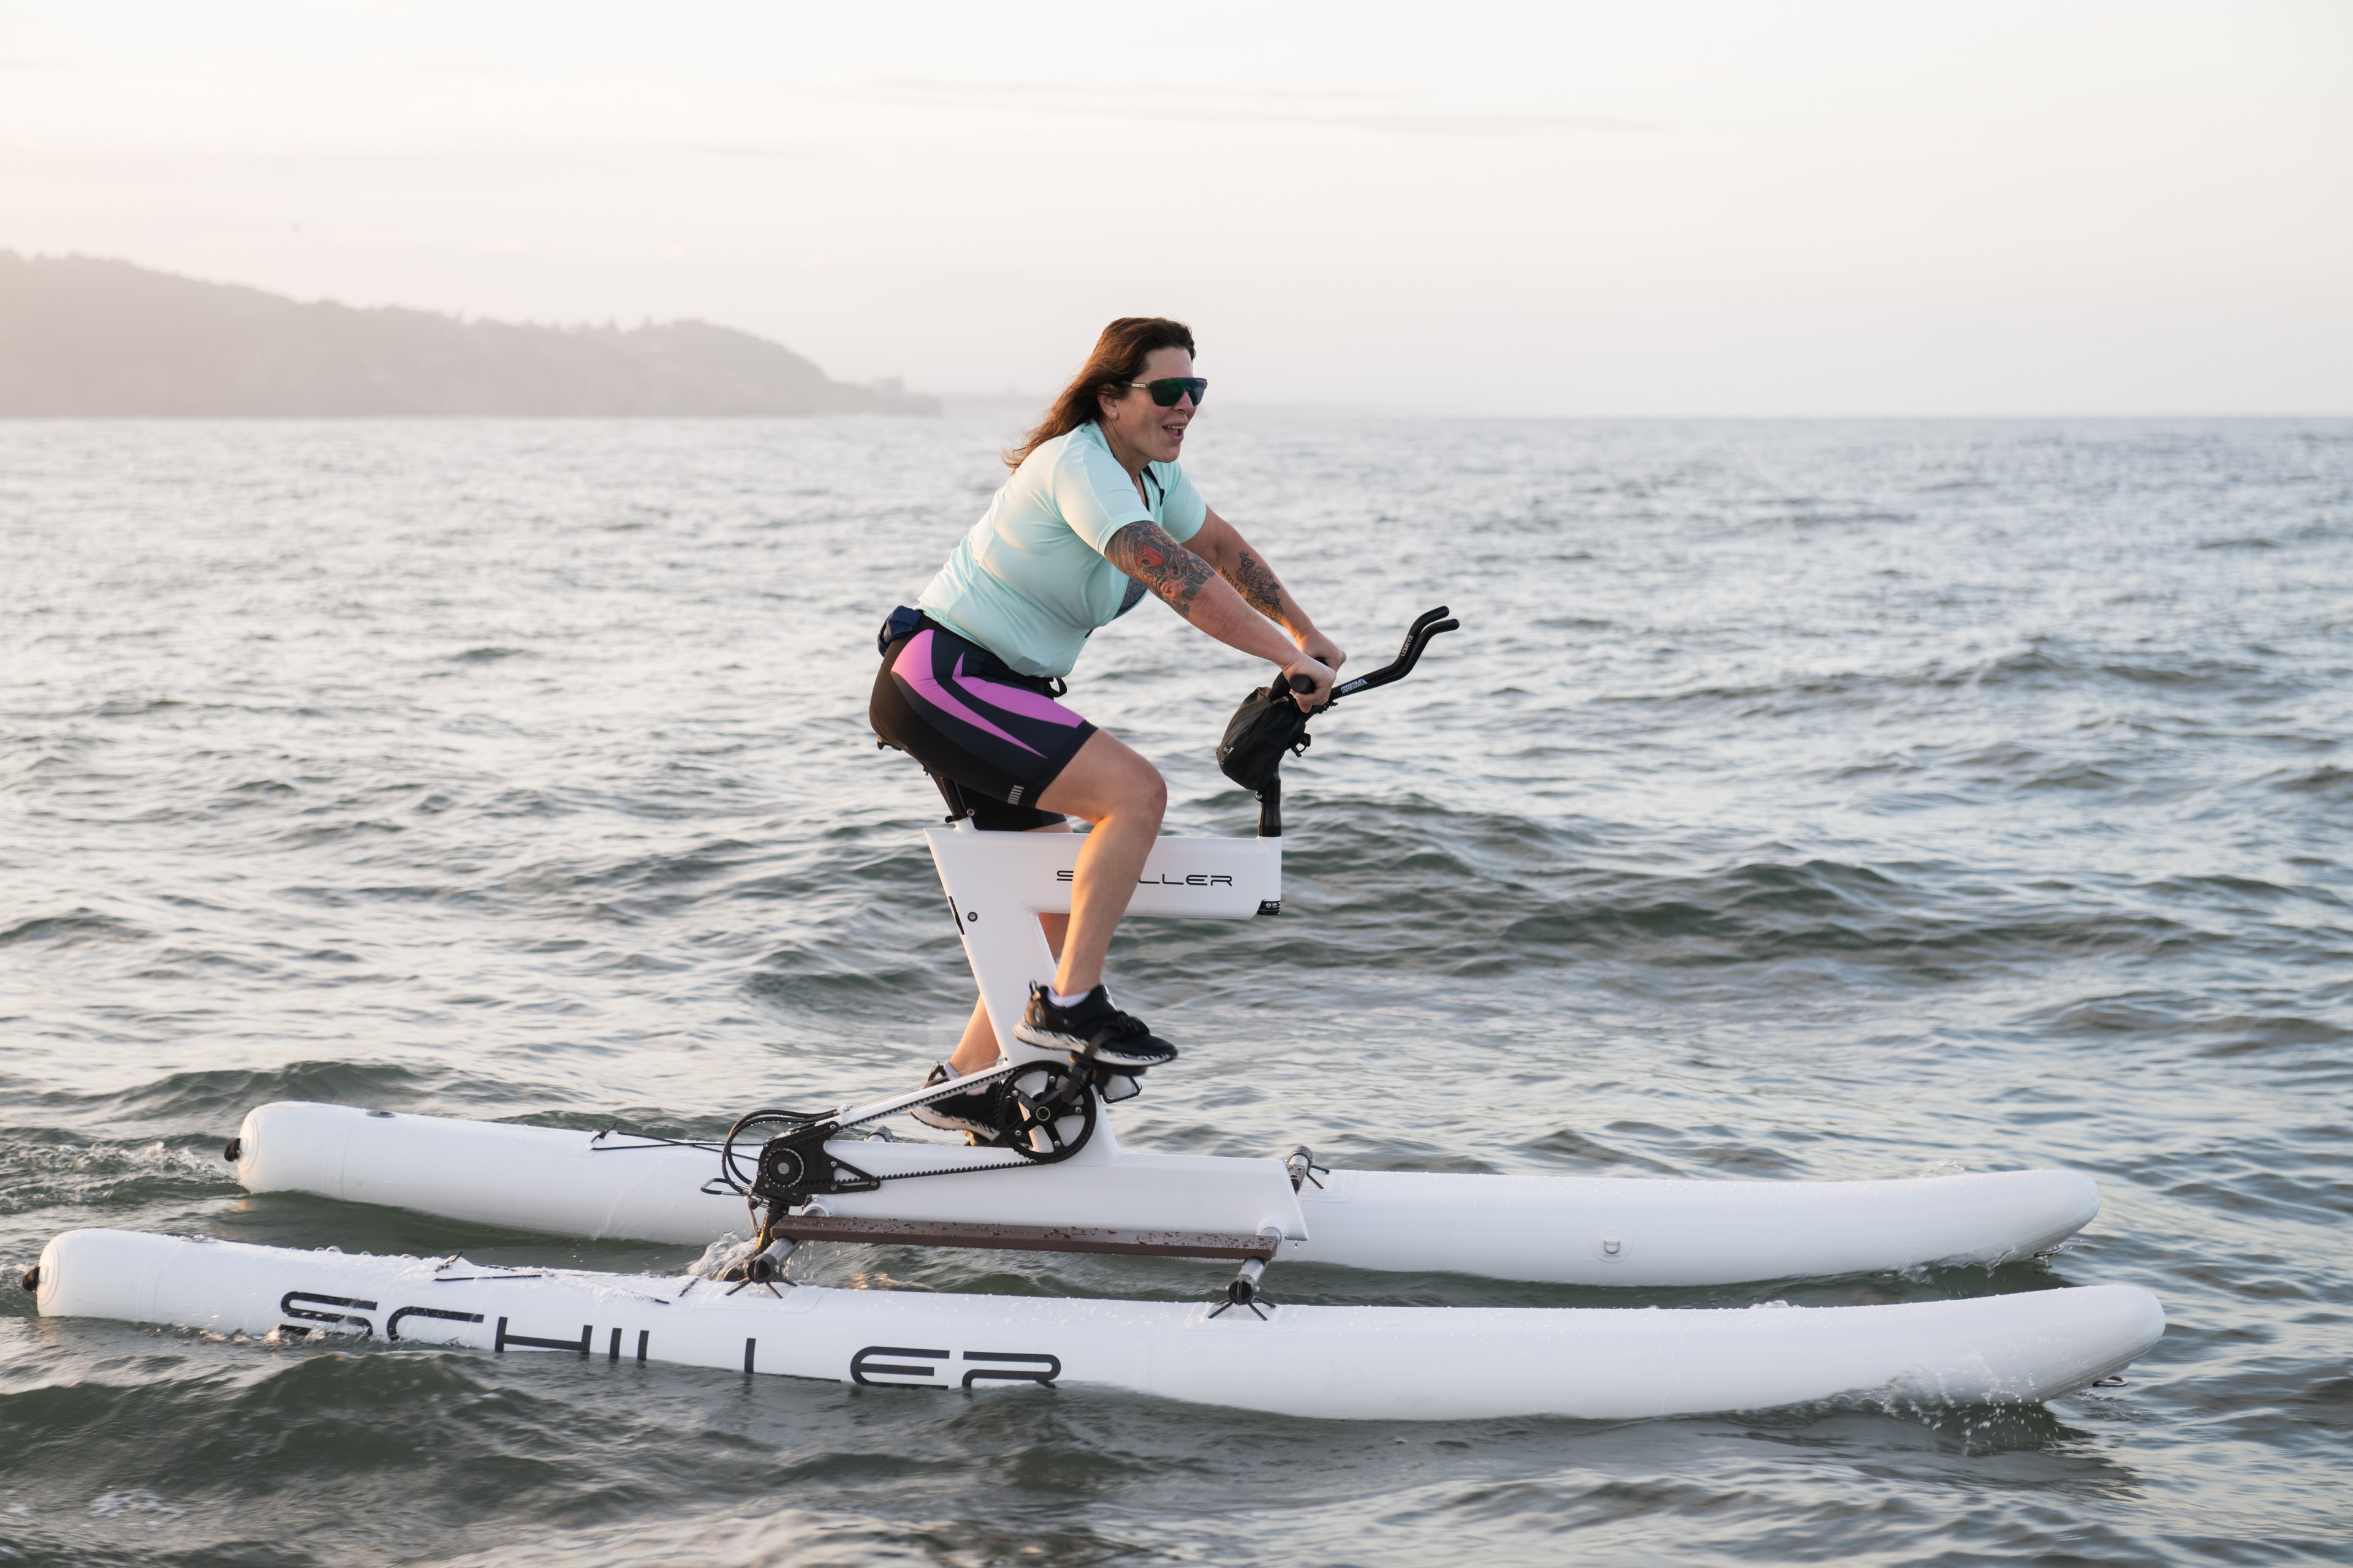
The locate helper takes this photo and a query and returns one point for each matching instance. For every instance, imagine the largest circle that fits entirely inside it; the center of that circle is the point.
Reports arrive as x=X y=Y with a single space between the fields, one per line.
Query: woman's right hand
x=1317 y=672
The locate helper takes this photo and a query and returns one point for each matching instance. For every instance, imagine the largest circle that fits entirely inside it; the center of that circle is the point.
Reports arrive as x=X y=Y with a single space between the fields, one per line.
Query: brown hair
x=1118 y=359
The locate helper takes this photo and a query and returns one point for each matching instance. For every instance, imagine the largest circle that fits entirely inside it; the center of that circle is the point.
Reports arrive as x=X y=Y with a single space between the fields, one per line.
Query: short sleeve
x=1093 y=493
x=1184 y=512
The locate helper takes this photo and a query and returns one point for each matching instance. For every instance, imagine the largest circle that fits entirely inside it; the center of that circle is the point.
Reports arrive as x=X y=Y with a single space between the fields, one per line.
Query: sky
x=1672 y=208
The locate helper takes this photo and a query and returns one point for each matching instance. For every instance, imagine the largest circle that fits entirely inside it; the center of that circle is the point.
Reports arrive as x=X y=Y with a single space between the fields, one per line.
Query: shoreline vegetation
x=81 y=336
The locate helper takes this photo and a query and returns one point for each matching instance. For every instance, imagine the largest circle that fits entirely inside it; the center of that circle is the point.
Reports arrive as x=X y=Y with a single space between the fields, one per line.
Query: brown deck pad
x=1027 y=1238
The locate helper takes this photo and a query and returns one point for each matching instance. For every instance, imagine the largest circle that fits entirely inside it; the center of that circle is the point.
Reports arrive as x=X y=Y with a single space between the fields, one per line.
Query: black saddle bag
x=1267 y=725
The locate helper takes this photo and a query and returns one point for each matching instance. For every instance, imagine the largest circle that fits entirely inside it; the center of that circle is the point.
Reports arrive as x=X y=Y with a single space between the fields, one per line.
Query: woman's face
x=1133 y=422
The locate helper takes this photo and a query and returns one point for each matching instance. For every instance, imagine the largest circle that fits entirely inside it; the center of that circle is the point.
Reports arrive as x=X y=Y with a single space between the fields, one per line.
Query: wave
x=44 y=1168
x=80 y=924
x=244 y=1452
x=2039 y=666
x=183 y=1096
x=1482 y=895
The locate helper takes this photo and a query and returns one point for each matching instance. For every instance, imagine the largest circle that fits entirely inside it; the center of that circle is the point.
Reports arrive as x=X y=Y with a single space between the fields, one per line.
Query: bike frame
x=998 y=884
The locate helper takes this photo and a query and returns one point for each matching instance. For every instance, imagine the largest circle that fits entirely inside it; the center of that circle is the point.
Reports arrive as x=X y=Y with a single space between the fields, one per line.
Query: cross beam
x=1027 y=1238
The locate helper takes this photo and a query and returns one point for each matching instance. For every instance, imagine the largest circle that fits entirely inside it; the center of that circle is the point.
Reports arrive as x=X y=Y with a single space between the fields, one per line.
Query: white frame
x=998 y=884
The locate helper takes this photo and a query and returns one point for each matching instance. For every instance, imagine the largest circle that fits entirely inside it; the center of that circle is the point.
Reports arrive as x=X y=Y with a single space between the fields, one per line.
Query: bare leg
x=978 y=1050
x=1113 y=787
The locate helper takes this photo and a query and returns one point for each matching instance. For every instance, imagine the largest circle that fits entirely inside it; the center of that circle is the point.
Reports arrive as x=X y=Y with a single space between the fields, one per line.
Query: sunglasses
x=1169 y=388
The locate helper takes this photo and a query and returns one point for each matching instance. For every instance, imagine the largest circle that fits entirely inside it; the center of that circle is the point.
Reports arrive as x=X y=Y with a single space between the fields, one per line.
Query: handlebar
x=1269 y=724
x=1426 y=625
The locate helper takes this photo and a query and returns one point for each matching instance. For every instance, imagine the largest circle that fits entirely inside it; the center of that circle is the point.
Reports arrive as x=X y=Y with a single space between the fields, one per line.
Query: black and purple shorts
x=958 y=710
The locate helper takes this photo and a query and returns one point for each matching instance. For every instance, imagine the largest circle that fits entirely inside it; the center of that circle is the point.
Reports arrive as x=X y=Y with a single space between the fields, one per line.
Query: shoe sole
x=1045 y=1040
x=1120 y=1059
x=951 y=1123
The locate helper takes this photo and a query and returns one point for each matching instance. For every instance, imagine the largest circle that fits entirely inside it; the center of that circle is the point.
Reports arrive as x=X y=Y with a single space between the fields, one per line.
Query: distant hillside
x=81 y=336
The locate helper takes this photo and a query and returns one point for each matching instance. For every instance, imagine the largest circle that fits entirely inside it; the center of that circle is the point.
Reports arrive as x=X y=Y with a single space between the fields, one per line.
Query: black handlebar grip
x=1300 y=686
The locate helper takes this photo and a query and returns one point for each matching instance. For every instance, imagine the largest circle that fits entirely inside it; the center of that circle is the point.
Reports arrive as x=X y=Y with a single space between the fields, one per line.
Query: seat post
x=959 y=808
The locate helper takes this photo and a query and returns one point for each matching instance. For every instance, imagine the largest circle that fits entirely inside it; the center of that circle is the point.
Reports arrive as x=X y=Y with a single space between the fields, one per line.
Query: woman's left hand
x=1318 y=647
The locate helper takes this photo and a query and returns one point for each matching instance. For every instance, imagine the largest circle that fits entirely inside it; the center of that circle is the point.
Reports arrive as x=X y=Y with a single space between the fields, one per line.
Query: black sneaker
x=1091 y=1027
x=975 y=1111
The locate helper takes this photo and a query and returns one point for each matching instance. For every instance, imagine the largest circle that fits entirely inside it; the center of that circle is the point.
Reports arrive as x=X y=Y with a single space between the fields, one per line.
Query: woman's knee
x=1144 y=792
x=1155 y=806
x=1136 y=792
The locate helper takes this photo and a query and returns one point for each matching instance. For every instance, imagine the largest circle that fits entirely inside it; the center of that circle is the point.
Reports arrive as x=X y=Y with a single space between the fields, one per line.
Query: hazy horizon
x=1698 y=209
x=80 y=336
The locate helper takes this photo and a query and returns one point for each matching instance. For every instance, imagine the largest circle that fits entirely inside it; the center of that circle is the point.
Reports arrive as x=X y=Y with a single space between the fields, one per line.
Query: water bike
x=1057 y=1179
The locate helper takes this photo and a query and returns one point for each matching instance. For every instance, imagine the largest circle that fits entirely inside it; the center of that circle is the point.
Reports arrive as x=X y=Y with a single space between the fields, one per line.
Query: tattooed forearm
x=1145 y=553
x=1255 y=581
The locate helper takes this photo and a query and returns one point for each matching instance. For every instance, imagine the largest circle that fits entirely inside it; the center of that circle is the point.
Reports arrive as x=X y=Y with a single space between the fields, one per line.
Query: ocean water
x=1800 y=800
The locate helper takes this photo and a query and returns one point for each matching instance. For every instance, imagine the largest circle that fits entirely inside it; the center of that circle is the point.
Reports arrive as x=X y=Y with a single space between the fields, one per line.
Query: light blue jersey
x=1029 y=583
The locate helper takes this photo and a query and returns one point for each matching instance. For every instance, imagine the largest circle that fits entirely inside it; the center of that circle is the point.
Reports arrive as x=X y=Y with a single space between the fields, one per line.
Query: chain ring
x=1031 y=1116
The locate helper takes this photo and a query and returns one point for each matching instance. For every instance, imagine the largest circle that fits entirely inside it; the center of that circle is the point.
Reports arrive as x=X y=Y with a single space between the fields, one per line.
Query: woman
x=1097 y=513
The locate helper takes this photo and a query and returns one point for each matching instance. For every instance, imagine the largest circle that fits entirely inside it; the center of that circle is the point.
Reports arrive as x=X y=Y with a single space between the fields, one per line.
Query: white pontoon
x=1373 y=1362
